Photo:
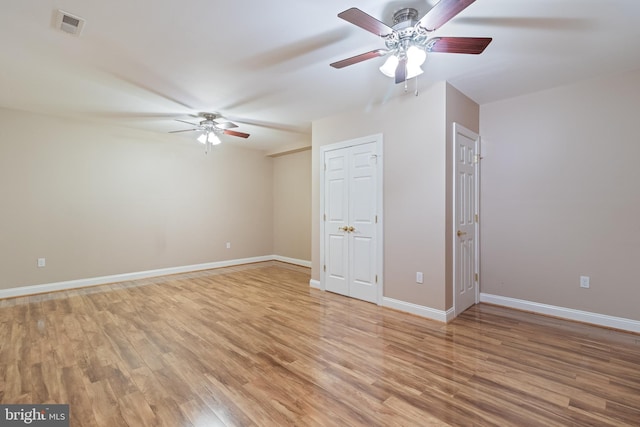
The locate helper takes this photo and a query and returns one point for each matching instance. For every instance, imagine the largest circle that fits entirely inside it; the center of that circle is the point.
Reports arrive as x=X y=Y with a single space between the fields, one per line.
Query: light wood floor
x=254 y=345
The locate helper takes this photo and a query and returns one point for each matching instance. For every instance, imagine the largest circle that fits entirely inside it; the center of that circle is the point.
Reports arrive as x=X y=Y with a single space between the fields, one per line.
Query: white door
x=336 y=237
x=466 y=156
x=350 y=228
x=362 y=221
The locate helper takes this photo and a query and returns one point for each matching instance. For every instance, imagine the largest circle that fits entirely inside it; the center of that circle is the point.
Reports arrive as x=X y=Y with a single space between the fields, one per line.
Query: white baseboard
x=315 y=284
x=450 y=314
x=103 y=280
x=419 y=310
x=300 y=262
x=565 y=313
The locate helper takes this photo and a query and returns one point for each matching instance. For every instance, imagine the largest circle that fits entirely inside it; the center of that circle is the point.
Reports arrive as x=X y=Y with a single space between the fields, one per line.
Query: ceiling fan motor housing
x=406 y=16
x=209 y=123
x=406 y=32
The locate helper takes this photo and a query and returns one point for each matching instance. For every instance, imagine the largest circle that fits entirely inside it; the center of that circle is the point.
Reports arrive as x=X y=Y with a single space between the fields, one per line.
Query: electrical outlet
x=419 y=277
x=228 y=245
x=584 y=282
x=42 y=262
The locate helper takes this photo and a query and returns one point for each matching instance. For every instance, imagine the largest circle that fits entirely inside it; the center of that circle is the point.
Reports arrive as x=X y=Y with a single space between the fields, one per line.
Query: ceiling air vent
x=69 y=23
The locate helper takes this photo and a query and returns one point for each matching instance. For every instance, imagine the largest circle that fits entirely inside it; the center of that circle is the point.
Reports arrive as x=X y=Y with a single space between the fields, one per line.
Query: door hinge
x=325 y=217
x=476 y=217
x=325 y=268
x=376 y=219
x=376 y=278
x=325 y=166
x=476 y=277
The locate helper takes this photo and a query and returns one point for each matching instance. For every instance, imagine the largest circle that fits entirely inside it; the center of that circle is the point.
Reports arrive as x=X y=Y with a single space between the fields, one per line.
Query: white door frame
x=457 y=128
x=377 y=139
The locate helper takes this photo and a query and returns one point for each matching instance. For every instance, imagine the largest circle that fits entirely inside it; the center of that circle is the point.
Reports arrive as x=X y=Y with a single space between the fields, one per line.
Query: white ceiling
x=266 y=64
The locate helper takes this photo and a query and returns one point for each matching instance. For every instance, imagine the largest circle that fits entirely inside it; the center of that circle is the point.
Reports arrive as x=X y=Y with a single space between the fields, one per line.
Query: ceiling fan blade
x=359 y=58
x=442 y=12
x=225 y=125
x=189 y=123
x=401 y=70
x=186 y=130
x=471 y=45
x=235 y=133
x=365 y=21
x=275 y=126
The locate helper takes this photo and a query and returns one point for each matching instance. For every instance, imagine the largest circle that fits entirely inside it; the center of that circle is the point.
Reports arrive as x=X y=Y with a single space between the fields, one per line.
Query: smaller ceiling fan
x=408 y=40
x=211 y=127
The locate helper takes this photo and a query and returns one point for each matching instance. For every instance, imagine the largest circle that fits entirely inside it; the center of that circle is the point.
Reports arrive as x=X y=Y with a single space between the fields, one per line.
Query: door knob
x=461 y=233
x=351 y=229
x=345 y=228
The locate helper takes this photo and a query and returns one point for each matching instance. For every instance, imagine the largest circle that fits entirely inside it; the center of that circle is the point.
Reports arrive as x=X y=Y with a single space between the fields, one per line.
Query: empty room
x=401 y=213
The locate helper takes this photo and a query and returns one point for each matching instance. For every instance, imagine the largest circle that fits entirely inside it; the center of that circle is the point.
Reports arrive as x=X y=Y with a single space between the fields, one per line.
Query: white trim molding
x=563 y=312
x=116 y=278
x=419 y=310
x=315 y=284
x=294 y=261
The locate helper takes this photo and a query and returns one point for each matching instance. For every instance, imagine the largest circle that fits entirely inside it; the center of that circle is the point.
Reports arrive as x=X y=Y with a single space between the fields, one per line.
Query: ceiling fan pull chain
x=406 y=85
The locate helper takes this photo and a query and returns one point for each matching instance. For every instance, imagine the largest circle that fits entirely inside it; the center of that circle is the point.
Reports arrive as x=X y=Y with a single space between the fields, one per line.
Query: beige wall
x=560 y=196
x=415 y=175
x=292 y=205
x=97 y=200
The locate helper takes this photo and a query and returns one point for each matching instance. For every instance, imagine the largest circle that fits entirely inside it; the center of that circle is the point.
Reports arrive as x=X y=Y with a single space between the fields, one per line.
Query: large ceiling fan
x=407 y=41
x=212 y=126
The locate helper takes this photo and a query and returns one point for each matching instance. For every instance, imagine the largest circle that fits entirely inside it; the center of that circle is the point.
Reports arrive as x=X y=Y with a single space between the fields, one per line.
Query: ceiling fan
x=407 y=41
x=212 y=125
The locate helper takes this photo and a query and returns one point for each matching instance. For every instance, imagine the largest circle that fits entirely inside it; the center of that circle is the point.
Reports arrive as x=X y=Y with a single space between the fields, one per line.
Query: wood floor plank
x=104 y=403
x=80 y=407
x=255 y=345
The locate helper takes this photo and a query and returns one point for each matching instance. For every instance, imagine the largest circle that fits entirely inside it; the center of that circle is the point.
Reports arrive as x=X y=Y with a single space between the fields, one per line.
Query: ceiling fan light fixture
x=209 y=137
x=416 y=55
x=213 y=139
x=389 y=66
x=413 y=64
